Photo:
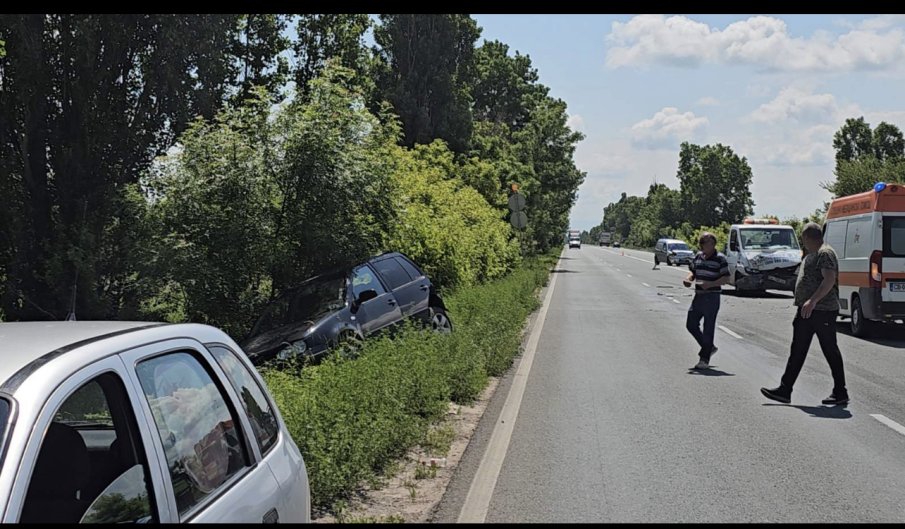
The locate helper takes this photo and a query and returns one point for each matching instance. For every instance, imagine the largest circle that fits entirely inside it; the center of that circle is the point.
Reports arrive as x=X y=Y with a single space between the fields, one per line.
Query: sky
x=774 y=88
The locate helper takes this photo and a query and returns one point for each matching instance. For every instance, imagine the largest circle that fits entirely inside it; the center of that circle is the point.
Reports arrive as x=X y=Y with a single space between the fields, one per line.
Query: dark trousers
x=705 y=305
x=823 y=324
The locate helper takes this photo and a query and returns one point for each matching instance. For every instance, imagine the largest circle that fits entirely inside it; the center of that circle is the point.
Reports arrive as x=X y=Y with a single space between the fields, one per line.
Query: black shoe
x=836 y=400
x=777 y=394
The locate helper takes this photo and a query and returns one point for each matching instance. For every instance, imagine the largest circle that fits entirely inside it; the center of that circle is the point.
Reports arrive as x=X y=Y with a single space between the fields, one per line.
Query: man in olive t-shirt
x=817 y=299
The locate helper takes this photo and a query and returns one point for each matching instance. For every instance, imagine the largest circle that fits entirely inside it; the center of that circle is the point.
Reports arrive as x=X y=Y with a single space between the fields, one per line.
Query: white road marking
x=889 y=422
x=477 y=502
x=645 y=284
x=730 y=332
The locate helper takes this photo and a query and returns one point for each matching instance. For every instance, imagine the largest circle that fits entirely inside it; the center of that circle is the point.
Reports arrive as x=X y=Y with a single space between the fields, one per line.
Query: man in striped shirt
x=709 y=271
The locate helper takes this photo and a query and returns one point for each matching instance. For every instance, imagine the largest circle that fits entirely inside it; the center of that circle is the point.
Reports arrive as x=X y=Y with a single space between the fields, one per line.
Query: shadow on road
x=824 y=412
x=709 y=372
x=888 y=334
x=564 y=271
x=759 y=295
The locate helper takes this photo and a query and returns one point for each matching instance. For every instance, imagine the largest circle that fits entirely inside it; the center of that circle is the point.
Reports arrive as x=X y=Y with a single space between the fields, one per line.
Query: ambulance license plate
x=898 y=286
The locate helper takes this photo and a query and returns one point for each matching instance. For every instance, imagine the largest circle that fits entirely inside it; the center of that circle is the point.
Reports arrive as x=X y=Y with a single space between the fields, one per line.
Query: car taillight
x=876 y=269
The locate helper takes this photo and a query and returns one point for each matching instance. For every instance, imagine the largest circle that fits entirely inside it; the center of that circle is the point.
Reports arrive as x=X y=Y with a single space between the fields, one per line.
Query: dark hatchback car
x=343 y=307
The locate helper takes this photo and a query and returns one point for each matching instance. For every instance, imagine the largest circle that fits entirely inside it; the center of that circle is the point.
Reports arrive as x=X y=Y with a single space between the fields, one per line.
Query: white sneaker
x=702 y=365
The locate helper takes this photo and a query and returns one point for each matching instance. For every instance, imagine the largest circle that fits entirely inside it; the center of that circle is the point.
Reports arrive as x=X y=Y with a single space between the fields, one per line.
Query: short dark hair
x=705 y=236
x=812 y=231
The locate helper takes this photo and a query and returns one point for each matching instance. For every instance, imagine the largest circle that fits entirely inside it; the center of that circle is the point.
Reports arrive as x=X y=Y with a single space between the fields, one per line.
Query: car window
x=200 y=434
x=678 y=246
x=257 y=408
x=91 y=443
x=894 y=236
x=409 y=268
x=363 y=278
x=392 y=272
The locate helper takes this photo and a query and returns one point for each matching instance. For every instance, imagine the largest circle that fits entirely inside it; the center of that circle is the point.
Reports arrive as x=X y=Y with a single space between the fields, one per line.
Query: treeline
x=193 y=167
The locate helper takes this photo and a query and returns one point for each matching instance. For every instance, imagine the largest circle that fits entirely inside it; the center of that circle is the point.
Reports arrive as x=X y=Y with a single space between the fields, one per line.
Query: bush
x=352 y=419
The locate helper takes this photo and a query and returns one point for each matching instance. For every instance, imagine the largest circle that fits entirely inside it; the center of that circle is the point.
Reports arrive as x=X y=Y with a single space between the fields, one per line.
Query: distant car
x=672 y=252
x=117 y=422
x=575 y=243
x=344 y=307
x=616 y=244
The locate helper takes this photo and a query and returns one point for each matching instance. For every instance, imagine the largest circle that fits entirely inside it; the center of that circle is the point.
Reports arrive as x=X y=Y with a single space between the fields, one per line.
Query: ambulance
x=867 y=231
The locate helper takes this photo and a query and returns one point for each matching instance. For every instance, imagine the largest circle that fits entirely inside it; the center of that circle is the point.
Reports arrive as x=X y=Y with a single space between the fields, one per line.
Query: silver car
x=136 y=422
x=672 y=252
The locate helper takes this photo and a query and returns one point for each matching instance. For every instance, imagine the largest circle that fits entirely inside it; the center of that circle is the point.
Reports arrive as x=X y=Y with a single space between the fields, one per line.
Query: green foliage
x=353 y=418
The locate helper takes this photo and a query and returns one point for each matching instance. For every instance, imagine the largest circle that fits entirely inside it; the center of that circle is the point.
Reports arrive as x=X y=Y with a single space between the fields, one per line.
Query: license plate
x=897 y=287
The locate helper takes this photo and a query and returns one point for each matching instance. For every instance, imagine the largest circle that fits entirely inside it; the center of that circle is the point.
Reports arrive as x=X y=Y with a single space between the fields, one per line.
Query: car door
x=408 y=291
x=380 y=312
x=90 y=457
x=211 y=466
x=732 y=254
x=418 y=289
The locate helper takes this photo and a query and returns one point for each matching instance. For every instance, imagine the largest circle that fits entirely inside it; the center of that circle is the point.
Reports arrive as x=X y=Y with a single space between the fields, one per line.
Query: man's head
x=707 y=243
x=812 y=236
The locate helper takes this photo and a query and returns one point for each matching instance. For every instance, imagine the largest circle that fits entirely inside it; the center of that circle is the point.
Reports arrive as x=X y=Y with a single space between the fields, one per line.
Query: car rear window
x=894 y=236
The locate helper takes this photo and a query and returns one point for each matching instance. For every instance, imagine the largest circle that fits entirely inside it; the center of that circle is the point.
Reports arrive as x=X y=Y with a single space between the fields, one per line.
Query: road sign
x=516 y=202
x=518 y=219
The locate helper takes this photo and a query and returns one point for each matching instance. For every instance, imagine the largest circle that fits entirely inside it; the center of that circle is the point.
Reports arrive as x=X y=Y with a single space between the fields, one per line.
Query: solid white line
x=889 y=422
x=477 y=502
x=730 y=332
x=645 y=284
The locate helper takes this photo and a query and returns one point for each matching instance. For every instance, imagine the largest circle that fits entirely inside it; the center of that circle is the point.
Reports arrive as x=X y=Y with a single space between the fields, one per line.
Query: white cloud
x=575 y=122
x=708 y=101
x=667 y=129
x=761 y=41
x=801 y=105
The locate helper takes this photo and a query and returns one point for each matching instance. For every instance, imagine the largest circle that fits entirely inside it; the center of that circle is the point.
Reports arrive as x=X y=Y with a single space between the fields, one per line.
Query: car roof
x=672 y=240
x=21 y=343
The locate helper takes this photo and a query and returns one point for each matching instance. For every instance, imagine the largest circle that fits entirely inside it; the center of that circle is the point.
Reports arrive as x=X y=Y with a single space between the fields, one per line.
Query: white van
x=867 y=231
x=762 y=254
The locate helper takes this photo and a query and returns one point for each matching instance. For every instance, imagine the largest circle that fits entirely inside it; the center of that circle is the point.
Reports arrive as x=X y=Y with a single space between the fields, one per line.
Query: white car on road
x=136 y=422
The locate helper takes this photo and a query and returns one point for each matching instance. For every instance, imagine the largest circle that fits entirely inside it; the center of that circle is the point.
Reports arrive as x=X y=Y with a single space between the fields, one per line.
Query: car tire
x=860 y=326
x=439 y=321
x=669 y=261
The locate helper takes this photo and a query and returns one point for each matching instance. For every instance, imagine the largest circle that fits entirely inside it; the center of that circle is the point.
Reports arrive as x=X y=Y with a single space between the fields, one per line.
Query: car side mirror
x=365 y=296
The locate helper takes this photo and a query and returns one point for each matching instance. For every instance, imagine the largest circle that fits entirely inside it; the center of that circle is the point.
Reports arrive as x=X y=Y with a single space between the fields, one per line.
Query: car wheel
x=440 y=321
x=668 y=261
x=860 y=326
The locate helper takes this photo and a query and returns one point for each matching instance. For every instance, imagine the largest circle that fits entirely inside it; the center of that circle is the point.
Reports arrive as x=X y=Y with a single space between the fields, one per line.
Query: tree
x=715 y=184
x=503 y=85
x=888 y=142
x=876 y=156
x=257 y=49
x=332 y=36
x=87 y=101
x=853 y=140
x=428 y=67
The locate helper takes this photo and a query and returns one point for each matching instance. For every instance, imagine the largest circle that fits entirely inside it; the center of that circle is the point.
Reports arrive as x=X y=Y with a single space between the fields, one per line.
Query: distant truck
x=606 y=238
x=574 y=238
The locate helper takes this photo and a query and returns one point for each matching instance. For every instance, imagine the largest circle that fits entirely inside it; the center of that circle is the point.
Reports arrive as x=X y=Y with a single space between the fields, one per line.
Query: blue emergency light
x=879 y=186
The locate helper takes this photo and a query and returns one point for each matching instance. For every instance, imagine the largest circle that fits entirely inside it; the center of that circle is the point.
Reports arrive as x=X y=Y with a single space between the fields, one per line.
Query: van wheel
x=668 y=261
x=860 y=326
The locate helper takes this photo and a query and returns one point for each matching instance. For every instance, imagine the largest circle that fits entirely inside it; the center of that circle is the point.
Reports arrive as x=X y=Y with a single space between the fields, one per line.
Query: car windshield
x=678 y=246
x=308 y=303
x=768 y=238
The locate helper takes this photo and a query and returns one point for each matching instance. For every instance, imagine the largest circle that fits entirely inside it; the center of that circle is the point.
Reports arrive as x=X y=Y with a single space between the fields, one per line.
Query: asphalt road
x=613 y=426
